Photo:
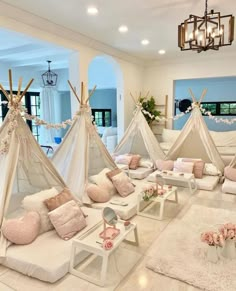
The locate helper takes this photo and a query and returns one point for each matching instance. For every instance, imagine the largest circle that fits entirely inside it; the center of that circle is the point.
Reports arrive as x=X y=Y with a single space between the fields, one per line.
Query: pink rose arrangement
x=148 y=192
x=212 y=238
x=228 y=231
x=107 y=244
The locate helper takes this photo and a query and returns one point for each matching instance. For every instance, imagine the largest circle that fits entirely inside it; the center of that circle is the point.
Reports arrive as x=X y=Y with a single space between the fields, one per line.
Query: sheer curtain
x=50 y=112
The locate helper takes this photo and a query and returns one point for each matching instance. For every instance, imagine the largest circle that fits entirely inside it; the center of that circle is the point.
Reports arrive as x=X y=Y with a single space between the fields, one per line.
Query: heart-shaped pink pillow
x=23 y=230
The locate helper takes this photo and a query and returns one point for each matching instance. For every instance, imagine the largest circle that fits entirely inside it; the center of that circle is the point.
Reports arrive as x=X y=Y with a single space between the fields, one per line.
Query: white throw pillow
x=184 y=167
x=35 y=202
x=146 y=163
x=103 y=181
x=211 y=170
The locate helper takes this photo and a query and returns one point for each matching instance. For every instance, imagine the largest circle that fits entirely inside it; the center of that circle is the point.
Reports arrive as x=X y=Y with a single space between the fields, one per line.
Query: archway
x=107 y=103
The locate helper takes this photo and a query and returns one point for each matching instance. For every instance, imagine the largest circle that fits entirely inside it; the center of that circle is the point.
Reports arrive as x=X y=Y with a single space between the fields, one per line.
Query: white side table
x=187 y=178
x=88 y=243
x=160 y=199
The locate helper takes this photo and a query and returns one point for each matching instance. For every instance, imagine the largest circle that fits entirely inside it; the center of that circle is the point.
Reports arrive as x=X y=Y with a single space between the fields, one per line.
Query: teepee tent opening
x=25 y=169
x=81 y=153
x=195 y=140
x=139 y=138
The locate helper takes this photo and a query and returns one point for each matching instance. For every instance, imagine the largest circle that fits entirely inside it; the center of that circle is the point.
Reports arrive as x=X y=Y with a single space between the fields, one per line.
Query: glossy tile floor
x=127 y=269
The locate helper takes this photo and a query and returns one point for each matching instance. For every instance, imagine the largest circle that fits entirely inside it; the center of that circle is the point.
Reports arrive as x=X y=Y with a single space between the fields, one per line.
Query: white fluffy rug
x=180 y=254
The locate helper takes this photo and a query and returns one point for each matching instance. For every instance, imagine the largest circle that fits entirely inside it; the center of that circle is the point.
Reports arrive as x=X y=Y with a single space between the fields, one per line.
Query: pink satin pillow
x=98 y=194
x=198 y=168
x=68 y=219
x=134 y=163
x=123 y=184
x=230 y=173
x=23 y=230
x=165 y=165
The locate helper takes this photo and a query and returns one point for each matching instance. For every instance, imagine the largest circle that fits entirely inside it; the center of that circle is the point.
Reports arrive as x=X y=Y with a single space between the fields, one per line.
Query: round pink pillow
x=230 y=173
x=23 y=230
x=98 y=194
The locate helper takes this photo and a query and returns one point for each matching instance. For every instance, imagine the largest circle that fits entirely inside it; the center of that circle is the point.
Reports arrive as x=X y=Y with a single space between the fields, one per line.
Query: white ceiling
x=19 y=50
x=156 y=20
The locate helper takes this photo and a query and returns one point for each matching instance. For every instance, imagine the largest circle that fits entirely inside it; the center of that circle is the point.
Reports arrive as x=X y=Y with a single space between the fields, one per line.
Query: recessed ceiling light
x=92 y=10
x=145 y=42
x=161 y=52
x=123 y=28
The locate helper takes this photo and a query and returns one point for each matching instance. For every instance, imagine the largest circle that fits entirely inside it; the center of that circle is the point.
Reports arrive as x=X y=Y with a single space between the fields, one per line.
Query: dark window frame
x=218 y=107
x=103 y=116
x=28 y=106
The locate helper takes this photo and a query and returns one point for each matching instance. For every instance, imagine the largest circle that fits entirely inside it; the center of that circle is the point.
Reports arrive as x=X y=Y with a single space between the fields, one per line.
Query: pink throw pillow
x=230 y=173
x=123 y=184
x=133 y=165
x=68 y=219
x=184 y=167
x=198 y=168
x=23 y=230
x=165 y=165
x=123 y=159
x=98 y=194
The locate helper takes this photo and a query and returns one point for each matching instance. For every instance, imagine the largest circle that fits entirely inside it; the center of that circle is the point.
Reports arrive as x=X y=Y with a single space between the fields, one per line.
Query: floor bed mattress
x=229 y=186
x=48 y=257
x=129 y=207
x=140 y=173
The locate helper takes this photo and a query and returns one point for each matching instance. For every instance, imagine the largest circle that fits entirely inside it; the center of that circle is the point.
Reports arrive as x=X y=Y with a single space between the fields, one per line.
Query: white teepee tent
x=195 y=140
x=139 y=138
x=25 y=169
x=81 y=153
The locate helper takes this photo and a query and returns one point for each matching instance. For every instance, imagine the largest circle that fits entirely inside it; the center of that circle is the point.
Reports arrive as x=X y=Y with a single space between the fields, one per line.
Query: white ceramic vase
x=212 y=255
x=229 y=250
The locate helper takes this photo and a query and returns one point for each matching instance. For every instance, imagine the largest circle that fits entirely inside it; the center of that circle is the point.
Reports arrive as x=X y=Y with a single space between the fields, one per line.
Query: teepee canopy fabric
x=25 y=169
x=195 y=141
x=139 y=139
x=81 y=153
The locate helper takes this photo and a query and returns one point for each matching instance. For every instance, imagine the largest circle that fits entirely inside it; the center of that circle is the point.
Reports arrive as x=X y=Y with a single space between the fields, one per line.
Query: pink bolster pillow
x=230 y=173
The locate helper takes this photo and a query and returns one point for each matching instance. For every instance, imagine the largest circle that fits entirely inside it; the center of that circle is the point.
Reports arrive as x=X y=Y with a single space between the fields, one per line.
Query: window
x=102 y=117
x=31 y=101
x=220 y=108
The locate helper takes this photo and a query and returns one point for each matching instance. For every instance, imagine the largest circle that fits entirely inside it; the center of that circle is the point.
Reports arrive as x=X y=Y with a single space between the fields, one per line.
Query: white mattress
x=48 y=257
x=229 y=186
x=207 y=182
x=125 y=212
x=140 y=173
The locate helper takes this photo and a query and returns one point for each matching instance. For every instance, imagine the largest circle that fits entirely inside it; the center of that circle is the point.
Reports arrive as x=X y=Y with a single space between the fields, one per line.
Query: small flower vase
x=229 y=250
x=212 y=255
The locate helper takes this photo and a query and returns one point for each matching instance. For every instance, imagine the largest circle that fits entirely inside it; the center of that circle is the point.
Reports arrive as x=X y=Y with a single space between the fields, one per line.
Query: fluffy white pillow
x=123 y=159
x=146 y=163
x=103 y=181
x=211 y=170
x=184 y=167
x=35 y=202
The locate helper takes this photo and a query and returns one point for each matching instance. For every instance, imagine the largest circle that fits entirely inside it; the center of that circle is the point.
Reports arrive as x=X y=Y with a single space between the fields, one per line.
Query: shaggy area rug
x=180 y=254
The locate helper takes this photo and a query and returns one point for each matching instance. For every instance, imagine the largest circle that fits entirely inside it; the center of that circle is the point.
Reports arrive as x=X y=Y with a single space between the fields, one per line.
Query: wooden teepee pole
x=19 y=87
x=27 y=87
x=91 y=93
x=4 y=92
x=203 y=95
x=133 y=98
x=10 y=84
x=73 y=90
x=191 y=93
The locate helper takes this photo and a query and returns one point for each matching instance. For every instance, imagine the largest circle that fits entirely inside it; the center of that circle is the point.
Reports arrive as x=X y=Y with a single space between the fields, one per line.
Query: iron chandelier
x=49 y=77
x=210 y=31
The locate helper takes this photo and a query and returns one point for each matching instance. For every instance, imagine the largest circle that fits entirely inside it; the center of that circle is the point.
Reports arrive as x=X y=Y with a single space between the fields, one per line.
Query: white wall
x=159 y=77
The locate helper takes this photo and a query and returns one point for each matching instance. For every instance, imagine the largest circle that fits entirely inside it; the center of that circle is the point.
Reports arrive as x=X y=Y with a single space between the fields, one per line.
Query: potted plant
x=149 y=105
